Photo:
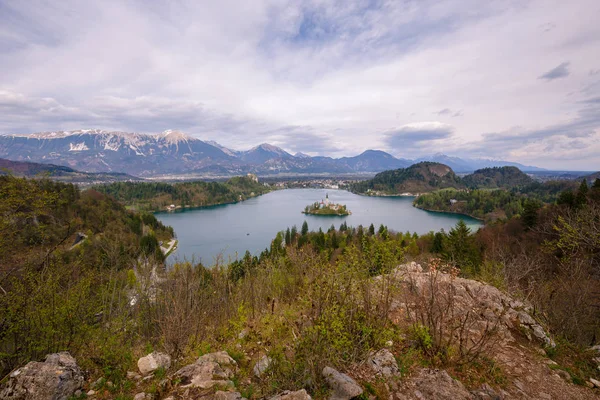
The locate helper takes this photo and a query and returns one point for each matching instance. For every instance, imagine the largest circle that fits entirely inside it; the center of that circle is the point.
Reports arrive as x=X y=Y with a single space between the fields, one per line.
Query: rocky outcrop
x=208 y=371
x=493 y=308
x=343 y=387
x=433 y=384
x=383 y=363
x=57 y=378
x=154 y=361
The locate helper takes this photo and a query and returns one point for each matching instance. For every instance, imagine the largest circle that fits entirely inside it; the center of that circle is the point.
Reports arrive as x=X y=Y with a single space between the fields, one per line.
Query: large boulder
x=487 y=308
x=383 y=363
x=433 y=384
x=344 y=387
x=153 y=361
x=57 y=378
x=208 y=371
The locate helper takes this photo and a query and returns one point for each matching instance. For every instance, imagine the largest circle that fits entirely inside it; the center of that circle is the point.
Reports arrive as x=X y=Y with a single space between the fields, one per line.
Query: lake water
x=231 y=229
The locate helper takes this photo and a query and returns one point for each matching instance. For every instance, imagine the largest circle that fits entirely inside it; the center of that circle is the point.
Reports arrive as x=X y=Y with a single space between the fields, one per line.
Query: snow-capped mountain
x=174 y=152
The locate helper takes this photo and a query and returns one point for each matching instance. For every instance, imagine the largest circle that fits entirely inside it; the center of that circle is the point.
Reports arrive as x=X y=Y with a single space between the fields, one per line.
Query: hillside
x=418 y=178
x=158 y=196
x=58 y=172
x=497 y=177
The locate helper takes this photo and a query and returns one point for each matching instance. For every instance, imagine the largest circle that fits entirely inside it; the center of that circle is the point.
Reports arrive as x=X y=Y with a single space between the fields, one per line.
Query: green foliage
x=155 y=196
x=494 y=204
x=461 y=250
x=497 y=177
x=421 y=177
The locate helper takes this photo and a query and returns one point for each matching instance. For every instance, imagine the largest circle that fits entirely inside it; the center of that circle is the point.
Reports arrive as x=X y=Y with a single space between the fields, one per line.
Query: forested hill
x=490 y=205
x=60 y=251
x=156 y=196
x=497 y=177
x=418 y=178
x=58 y=172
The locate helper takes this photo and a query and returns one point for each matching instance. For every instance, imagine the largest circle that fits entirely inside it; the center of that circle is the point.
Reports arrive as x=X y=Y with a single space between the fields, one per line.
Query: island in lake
x=325 y=207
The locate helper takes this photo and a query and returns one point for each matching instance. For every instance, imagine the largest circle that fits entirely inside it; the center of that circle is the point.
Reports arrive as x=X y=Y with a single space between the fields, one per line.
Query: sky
x=516 y=80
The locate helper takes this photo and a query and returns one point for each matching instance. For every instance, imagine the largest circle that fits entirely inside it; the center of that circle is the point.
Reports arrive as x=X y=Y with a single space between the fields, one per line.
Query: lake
x=231 y=229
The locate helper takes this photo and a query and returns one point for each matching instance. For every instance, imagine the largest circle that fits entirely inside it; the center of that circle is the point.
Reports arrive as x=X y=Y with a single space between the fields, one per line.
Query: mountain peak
x=173 y=136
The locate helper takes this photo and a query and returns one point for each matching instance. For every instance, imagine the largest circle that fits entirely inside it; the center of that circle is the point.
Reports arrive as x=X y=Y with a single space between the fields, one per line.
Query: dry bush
x=448 y=329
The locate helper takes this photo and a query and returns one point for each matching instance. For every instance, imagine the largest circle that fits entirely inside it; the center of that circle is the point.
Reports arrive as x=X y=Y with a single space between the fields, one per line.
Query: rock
x=383 y=363
x=433 y=384
x=91 y=393
x=564 y=374
x=133 y=375
x=485 y=392
x=220 y=357
x=98 y=384
x=221 y=395
x=208 y=371
x=153 y=361
x=595 y=382
x=344 y=387
x=595 y=348
x=288 y=395
x=57 y=378
x=142 y=396
x=261 y=366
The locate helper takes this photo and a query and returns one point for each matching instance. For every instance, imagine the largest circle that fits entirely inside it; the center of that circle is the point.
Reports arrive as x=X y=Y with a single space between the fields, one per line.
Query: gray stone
x=383 y=363
x=344 y=387
x=261 y=366
x=208 y=371
x=220 y=357
x=433 y=384
x=288 y=395
x=142 y=396
x=221 y=395
x=154 y=361
x=57 y=378
x=595 y=382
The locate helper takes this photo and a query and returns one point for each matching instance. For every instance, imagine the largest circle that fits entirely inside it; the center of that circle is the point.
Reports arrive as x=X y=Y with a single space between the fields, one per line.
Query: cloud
x=557 y=72
x=417 y=135
x=319 y=76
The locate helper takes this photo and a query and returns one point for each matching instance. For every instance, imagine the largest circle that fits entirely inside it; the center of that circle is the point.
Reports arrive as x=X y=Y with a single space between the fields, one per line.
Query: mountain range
x=173 y=152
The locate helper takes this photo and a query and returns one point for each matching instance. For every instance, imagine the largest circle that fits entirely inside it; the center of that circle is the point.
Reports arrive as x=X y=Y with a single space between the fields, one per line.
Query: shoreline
x=450 y=212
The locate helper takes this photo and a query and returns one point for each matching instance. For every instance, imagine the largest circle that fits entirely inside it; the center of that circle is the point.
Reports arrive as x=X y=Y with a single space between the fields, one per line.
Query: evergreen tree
x=461 y=249
x=381 y=229
x=371 y=230
x=530 y=209
x=437 y=246
x=294 y=233
x=288 y=237
x=581 y=197
x=304 y=230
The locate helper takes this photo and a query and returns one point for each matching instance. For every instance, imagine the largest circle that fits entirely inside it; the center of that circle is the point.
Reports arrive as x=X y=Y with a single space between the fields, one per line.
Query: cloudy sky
x=506 y=79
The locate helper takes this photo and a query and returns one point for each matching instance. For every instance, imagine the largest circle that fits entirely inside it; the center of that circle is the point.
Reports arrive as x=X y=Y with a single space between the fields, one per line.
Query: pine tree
x=371 y=230
x=304 y=230
x=581 y=197
x=288 y=237
x=294 y=233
